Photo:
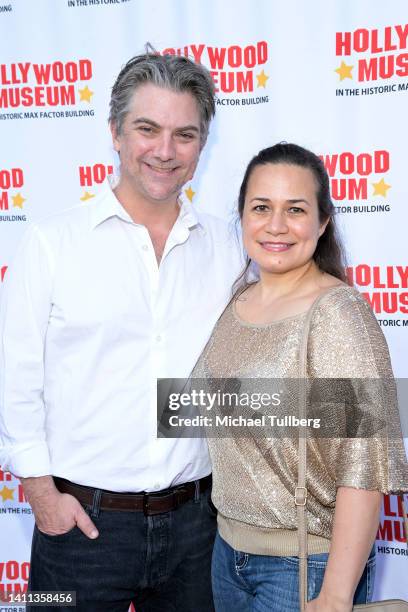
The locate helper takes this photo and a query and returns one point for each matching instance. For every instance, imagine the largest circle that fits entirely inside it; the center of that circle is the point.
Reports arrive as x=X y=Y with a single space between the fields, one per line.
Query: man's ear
x=115 y=136
x=203 y=140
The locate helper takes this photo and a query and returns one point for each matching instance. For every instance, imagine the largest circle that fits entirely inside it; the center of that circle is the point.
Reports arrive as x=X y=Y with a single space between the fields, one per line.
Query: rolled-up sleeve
x=24 y=313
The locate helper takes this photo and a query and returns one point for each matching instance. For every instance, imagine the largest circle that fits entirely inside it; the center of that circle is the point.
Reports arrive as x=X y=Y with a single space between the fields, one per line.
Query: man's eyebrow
x=188 y=128
x=145 y=120
x=184 y=128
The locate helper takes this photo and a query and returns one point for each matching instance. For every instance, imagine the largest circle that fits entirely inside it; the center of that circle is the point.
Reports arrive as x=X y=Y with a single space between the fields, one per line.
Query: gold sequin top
x=254 y=477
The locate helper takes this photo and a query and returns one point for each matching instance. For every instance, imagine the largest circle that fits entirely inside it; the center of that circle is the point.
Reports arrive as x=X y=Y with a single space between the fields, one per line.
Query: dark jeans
x=160 y=563
x=243 y=582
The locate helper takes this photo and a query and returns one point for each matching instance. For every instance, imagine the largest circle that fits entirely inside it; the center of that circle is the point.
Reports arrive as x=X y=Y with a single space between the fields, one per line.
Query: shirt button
x=145 y=247
x=157 y=485
x=158 y=338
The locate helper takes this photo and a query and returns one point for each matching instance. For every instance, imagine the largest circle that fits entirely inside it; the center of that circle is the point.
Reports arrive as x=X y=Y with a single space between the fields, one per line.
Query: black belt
x=148 y=503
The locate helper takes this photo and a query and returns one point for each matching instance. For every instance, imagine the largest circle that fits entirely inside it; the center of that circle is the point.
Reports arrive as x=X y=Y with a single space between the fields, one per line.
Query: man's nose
x=165 y=148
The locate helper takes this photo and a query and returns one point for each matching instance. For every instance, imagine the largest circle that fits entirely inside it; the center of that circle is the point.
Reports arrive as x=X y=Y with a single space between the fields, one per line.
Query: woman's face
x=280 y=220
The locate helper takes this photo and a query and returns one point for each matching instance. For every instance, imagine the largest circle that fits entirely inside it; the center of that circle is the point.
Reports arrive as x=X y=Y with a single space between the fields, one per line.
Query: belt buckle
x=177 y=496
x=146 y=504
x=147 y=507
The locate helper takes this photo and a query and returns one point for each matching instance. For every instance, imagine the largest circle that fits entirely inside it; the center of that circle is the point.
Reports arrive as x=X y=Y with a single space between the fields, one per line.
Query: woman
x=288 y=232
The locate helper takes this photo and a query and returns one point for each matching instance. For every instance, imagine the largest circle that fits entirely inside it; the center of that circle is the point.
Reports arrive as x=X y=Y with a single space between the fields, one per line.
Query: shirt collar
x=188 y=215
x=106 y=205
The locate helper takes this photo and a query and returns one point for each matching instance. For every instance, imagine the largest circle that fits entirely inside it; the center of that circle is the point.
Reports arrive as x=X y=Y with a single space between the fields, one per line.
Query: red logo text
x=384 y=47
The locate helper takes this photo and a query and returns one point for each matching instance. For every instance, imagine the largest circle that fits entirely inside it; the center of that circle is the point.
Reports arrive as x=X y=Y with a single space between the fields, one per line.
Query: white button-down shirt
x=89 y=321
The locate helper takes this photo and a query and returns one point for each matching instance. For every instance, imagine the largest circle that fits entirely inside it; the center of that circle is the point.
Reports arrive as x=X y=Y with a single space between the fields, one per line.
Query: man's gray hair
x=177 y=73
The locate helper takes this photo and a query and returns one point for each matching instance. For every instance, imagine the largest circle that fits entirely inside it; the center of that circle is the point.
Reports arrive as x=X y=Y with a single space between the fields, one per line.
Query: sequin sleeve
x=346 y=342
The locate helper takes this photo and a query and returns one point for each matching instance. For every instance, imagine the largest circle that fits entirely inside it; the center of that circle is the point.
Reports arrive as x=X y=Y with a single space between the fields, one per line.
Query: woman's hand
x=355 y=525
x=327 y=604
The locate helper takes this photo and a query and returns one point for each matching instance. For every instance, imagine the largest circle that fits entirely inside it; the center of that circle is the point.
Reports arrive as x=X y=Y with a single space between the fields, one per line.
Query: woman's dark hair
x=329 y=254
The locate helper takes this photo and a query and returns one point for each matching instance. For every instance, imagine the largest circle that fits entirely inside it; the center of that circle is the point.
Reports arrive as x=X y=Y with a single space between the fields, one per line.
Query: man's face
x=159 y=144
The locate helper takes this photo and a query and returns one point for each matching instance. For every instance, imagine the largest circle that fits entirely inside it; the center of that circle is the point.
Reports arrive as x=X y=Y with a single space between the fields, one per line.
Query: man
x=104 y=299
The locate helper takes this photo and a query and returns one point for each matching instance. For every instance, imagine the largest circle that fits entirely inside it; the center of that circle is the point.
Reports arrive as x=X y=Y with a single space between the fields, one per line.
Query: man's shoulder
x=63 y=218
x=209 y=219
x=223 y=242
x=74 y=219
x=217 y=226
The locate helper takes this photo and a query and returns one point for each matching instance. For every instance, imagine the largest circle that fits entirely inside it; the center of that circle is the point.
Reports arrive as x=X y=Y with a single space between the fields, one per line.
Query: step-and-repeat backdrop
x=329 y=75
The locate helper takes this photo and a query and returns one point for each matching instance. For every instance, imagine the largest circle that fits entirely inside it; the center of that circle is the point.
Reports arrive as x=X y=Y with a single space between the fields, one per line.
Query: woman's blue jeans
x=256 y=583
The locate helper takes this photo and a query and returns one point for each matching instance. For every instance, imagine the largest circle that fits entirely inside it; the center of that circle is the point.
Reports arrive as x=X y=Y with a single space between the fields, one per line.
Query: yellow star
x=86 y=196
x=344 y=71
x=190 y=193
x=262 y=78
x=18 y=200
x=85 y=94
x=6 y=493
x=381 y=188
